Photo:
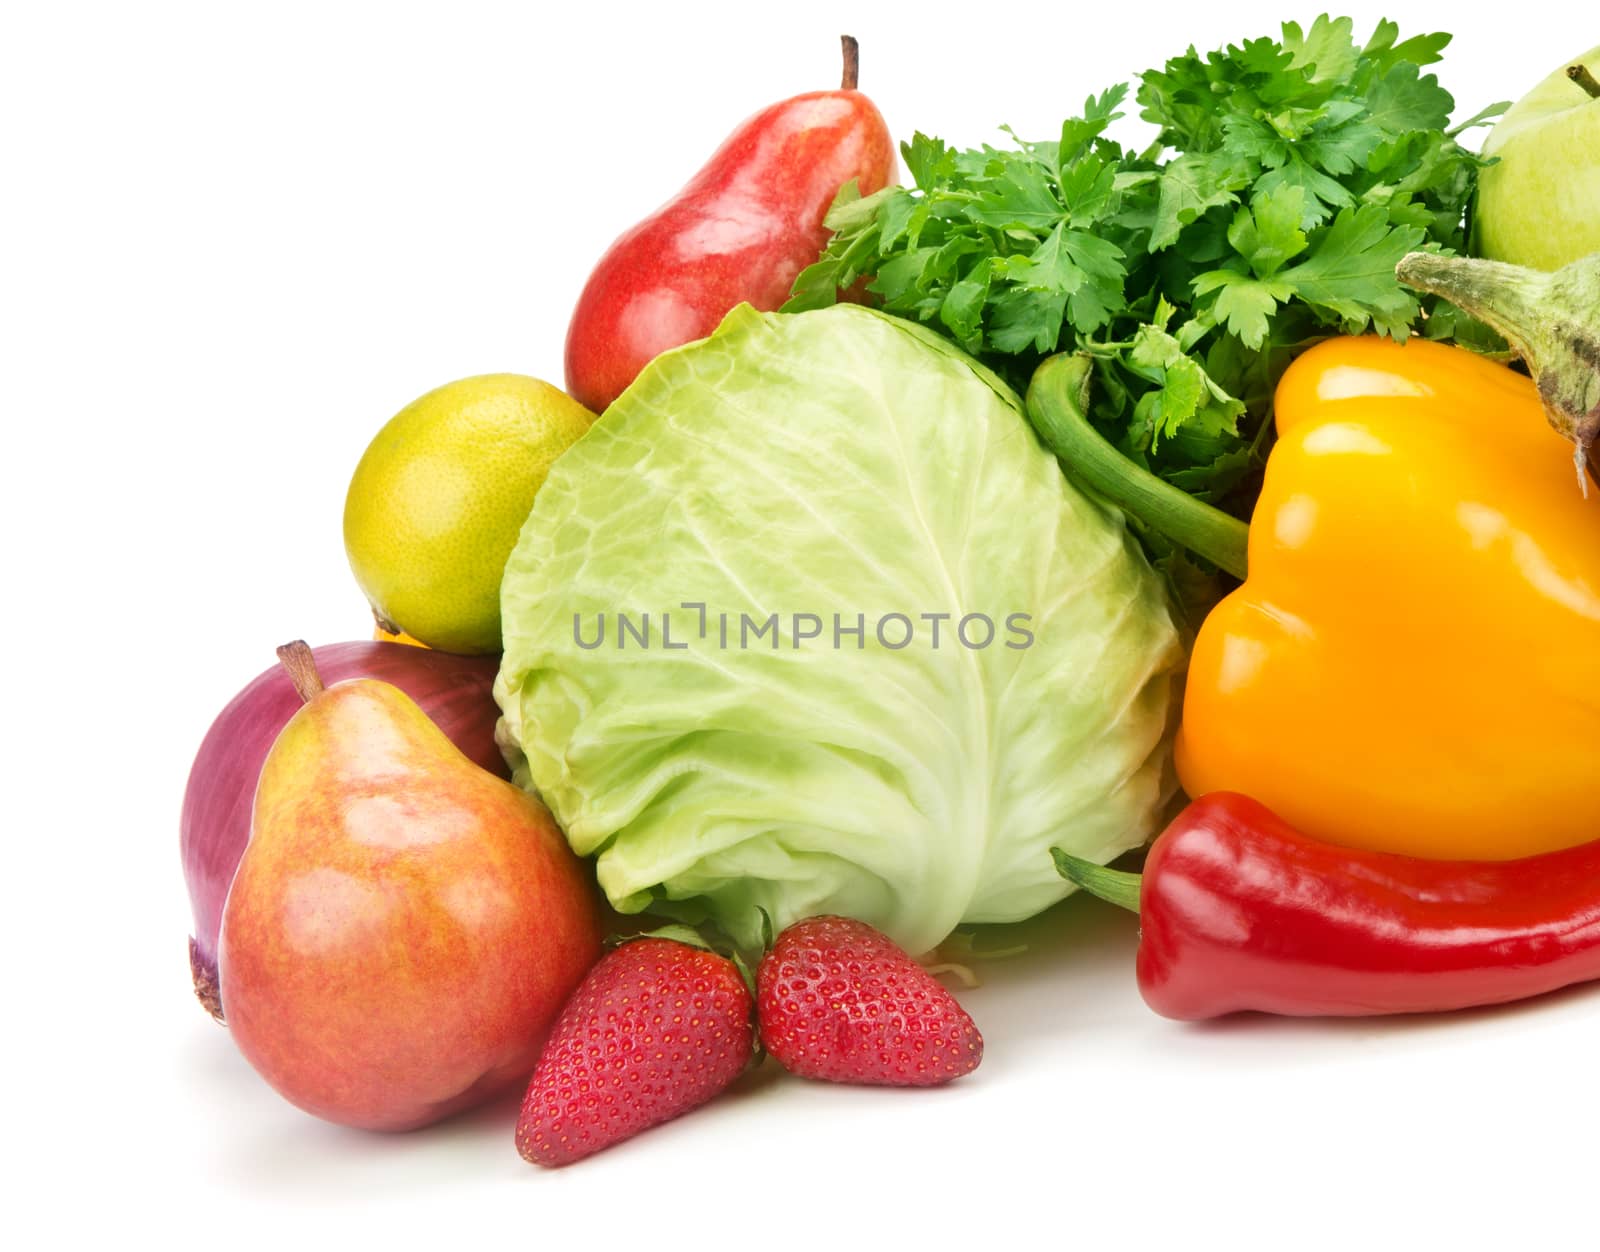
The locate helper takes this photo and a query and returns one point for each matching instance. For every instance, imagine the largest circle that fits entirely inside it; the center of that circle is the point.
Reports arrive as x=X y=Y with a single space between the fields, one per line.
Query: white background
x=236 y=240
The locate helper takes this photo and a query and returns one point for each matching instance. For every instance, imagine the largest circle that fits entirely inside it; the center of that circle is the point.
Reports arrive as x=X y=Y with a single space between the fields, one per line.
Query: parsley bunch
x=1287 y=179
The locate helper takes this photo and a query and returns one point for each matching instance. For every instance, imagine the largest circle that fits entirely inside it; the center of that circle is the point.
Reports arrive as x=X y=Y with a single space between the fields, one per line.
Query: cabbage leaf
x=850 y=467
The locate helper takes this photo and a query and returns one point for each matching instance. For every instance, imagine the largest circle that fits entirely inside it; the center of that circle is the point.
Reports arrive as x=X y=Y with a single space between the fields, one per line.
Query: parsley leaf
x=1190 y=185
x=1327 y=53
x=1350 y=272
x=1284 y=179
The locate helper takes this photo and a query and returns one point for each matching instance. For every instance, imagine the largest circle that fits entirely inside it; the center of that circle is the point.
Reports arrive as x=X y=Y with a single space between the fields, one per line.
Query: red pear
x=739 y=232
x=454 y=691
x=404 y=926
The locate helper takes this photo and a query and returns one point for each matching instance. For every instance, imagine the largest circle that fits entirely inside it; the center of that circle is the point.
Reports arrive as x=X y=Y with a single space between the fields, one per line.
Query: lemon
x=437 y=501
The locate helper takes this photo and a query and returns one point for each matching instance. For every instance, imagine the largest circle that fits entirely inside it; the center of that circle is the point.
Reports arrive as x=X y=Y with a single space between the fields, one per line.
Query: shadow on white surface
x=1075 y=985
x=1068 y=1040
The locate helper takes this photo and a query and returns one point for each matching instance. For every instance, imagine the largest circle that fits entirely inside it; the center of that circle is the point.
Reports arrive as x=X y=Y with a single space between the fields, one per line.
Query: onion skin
x=454 y=691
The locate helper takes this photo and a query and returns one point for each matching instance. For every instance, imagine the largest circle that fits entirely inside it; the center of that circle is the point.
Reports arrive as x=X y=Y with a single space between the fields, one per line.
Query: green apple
x=1539 y=205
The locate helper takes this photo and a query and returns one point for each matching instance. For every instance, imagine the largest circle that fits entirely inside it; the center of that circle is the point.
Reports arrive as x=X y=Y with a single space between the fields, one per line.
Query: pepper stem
x=1058 y=405
x=1552 y=321
x=1114 y=886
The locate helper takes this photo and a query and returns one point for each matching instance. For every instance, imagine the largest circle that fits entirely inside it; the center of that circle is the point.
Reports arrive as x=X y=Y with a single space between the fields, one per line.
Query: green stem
x=1552 y=321
x=1580 y=74
x=1058 y=406
x=1114 y=886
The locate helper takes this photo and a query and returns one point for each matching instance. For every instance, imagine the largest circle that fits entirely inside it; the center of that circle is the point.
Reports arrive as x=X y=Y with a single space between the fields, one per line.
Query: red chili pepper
x=1238 y=910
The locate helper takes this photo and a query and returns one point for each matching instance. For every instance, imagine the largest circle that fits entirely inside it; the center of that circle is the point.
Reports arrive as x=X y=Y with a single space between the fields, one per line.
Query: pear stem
x=301 y=665
x=1580 y=74
x=852 y=63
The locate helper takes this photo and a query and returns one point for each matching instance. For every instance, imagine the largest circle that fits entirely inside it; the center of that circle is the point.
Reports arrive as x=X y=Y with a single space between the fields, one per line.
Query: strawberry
x=657 y=1028
x=840 y=1001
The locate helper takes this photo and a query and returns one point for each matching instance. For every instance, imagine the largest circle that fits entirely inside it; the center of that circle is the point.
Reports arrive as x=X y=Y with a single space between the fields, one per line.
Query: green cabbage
x=837 y=462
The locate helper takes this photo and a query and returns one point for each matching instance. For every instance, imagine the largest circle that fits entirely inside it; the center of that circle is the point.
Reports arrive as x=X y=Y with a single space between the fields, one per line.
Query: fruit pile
x=395 y=924
x=405 y=929
x=389 y=928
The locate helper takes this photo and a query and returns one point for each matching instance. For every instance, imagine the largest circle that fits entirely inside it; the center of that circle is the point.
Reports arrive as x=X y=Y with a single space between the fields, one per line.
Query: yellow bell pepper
x=1413 y=664
x=1412 y=661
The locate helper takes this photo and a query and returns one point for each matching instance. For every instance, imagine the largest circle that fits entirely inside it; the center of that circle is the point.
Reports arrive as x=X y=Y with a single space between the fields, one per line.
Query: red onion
x=453 y=690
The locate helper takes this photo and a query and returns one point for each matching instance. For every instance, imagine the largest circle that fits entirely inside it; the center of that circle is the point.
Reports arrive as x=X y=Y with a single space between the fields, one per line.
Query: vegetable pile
x=827 y=629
